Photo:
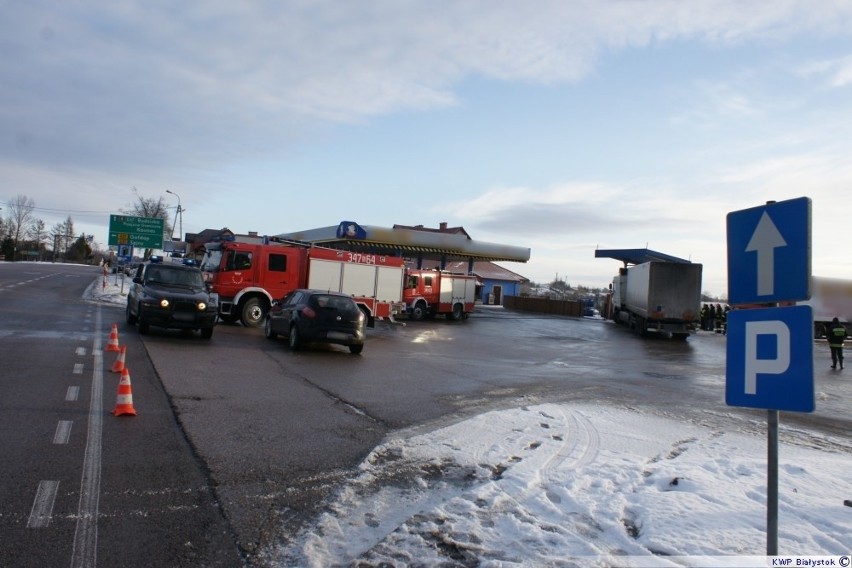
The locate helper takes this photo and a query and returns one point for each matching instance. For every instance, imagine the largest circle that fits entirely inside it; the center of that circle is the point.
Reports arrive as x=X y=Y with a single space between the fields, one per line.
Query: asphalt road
x=238 y=441
x=80 y=486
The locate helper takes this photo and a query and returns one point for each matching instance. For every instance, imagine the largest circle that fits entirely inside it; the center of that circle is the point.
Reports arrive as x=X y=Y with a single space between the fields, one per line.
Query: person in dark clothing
x=836 y=335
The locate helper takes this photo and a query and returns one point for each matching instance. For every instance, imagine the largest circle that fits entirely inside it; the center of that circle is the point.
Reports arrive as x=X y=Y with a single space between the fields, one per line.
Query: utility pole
x=178 y=214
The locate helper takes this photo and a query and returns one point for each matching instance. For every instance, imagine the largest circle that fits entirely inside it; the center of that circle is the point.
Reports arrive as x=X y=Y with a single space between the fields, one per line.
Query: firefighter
x=836 y=335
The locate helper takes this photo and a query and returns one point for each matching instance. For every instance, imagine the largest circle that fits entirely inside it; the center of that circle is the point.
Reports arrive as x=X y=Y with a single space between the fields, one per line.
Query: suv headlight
x=164 y=303
x=202 y=306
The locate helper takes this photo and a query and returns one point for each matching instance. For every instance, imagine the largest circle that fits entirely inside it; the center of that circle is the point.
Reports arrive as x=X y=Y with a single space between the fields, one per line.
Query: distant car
x=306 y=316
x=172 y=296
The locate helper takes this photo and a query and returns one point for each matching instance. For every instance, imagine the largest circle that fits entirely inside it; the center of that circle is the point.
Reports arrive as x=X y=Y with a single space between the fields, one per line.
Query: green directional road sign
x=141 y=232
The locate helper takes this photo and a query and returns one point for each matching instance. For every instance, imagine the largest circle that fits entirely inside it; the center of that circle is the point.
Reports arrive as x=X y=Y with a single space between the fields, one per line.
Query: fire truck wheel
x=458 y=312
x=252 y=313
x=418 y=312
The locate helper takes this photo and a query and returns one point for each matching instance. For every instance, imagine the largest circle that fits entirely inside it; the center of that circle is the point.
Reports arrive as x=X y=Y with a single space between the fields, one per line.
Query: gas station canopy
x=637 y=256
x=432 y=244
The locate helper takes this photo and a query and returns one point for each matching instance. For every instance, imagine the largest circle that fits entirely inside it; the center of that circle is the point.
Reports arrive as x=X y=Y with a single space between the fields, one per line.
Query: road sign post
x=770 y=351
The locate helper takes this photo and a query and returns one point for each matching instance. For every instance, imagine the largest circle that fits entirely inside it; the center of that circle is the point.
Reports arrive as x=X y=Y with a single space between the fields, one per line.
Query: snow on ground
x=575 y=485
x=565 y=485
x=110 y=289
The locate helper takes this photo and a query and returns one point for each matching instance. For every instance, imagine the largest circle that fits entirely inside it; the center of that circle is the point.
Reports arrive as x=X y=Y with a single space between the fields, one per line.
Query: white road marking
x=81 y=351
x=63 y=432
x=43 y=505
x=78 y=368
x=85 y=550
x=73 y=394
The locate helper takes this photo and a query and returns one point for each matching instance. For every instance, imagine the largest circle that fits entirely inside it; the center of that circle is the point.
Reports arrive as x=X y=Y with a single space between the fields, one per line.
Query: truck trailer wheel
x=253 y=312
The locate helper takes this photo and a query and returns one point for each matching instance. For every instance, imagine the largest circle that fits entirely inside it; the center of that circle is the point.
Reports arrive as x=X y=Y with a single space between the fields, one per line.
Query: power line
x=81 y=211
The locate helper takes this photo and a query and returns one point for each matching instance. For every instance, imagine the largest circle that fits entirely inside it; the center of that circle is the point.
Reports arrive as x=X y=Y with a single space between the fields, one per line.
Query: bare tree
x=38 y=236
x=62 y=233
x=154 y=208
x=20 y=218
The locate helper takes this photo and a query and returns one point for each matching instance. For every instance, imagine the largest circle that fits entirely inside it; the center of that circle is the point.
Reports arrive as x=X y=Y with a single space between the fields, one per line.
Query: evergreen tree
x=79 y=251
x=7 y=247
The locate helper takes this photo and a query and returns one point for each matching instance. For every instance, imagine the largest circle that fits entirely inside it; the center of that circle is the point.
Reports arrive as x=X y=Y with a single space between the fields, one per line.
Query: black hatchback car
x=171 y=296
x=305 y=316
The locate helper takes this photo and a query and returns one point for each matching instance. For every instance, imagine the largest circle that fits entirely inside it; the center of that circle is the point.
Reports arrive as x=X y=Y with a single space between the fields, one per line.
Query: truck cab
x=249 y=277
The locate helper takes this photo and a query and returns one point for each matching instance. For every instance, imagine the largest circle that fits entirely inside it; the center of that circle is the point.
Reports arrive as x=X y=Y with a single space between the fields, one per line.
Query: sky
x=584 y=484
x=561 y=126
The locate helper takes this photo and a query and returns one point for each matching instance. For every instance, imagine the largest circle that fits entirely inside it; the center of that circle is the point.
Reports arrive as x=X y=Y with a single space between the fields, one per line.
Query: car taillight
x=308 y=312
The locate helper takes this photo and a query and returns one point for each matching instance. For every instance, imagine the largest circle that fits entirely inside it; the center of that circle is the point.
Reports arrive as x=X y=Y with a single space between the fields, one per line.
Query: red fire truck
x=249 y=277
x=432 y=292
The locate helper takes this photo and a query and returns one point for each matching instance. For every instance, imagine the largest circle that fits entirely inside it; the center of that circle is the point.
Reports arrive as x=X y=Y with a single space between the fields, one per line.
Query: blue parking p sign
x=770 y=359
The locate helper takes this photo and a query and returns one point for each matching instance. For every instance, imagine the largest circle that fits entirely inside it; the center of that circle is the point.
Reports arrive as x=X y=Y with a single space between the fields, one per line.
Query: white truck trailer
x=658 y=296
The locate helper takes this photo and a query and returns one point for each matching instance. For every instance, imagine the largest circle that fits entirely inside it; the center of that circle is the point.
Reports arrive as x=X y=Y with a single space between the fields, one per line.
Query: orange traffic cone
x=112 y=344
x=124 y=397
x=118 y=366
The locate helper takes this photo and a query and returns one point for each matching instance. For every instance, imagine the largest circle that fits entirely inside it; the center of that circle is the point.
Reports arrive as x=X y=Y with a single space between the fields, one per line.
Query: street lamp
x=178 y=211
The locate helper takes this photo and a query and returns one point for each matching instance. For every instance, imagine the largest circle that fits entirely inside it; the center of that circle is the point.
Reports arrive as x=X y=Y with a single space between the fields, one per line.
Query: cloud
x=835 y=72
x=590 y=211
x=132 y=85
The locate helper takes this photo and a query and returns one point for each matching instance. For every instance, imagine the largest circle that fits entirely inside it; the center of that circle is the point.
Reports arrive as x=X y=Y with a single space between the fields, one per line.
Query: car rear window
x=339 y=303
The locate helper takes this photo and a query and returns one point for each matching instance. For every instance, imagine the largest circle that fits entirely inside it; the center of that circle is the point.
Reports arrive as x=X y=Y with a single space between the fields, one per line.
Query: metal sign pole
x=760 y=240
x=772 y=485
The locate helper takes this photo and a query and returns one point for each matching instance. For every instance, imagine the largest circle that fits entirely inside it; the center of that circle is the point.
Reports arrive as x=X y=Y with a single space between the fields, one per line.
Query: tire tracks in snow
x=482 y=470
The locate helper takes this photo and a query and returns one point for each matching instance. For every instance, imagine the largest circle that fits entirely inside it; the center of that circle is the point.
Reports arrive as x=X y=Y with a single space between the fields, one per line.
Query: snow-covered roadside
x=559 y=485
x=111 y=289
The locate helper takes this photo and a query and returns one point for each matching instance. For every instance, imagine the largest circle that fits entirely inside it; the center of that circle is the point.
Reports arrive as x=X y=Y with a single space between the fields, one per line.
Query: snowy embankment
x=586 y=485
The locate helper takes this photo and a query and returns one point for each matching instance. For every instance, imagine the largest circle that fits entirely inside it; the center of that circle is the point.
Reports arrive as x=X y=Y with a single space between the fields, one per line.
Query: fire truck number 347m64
x=248 y=277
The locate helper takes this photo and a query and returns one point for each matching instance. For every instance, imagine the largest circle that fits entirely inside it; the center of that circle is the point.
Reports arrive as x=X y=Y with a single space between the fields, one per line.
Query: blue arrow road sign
x=770 y=359
x=769 y=253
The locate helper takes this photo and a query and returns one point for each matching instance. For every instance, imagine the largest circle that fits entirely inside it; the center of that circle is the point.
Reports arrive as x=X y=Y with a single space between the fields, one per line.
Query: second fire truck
x=431 y=292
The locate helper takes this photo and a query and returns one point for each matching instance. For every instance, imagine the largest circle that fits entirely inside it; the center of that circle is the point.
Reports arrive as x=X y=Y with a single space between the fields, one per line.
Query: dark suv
x=171 y=296
x=305 y=316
